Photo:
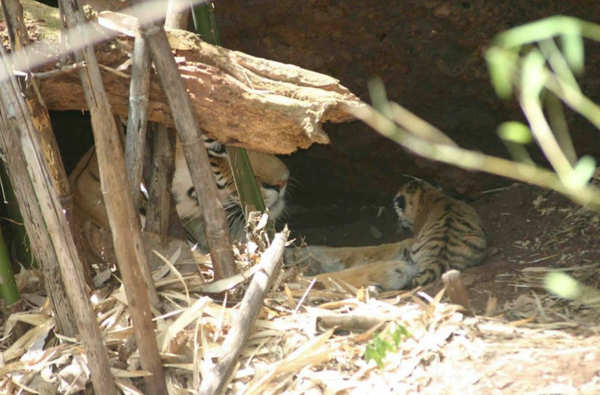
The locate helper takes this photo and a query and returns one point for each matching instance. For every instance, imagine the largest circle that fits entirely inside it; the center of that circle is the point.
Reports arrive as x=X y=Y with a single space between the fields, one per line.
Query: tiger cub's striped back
x=447 y=232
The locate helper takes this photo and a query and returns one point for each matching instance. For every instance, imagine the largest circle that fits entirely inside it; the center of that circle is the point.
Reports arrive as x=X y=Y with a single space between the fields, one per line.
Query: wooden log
x=241 y=99
x=122 y=216
x=244 y=320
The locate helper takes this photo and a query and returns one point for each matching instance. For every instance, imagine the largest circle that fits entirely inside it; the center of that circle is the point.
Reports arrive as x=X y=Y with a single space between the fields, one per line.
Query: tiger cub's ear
x=399 y=202
x=401 y=206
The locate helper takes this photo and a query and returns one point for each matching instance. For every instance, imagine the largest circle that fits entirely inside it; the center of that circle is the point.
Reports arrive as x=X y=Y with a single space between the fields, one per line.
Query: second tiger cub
x=447 y=234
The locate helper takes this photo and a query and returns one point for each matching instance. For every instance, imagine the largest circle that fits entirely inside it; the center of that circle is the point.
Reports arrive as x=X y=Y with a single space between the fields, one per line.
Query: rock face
x=430 y=56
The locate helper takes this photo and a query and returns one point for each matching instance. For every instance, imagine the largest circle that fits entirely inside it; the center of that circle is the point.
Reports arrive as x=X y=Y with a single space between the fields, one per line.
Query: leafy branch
x=525 y=60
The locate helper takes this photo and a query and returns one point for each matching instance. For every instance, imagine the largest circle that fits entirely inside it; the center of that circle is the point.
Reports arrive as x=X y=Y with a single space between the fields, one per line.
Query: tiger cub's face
x=271 y=174
x=411 y=203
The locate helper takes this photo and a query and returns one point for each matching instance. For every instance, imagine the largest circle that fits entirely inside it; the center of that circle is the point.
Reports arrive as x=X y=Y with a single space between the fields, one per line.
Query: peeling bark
x=243 y=100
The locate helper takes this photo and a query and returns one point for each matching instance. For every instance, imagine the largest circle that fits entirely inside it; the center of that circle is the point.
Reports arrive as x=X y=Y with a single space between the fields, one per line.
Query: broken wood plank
x=241 y=99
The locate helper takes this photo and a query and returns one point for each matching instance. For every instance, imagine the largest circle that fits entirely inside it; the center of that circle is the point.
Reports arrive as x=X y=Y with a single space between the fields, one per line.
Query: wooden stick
x=137 y=116
x=217 y=230
x=64 y=316
x=245 y=318
x=122 y=216
x=161 y=206
x=17 y=124
x=163 y=166
x=351 y=321
x=455 y=289
x=178 y=14
x=17 y=31
x=158 y=210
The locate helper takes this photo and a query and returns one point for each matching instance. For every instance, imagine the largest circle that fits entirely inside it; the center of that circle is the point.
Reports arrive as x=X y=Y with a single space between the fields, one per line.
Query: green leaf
x=572 y=46
x=516 y=132
x=379 y=96
x=399 y=334
x=377 y=349
x=533 y=75
x=582 y=172
x=562 y=285
x=502 y=64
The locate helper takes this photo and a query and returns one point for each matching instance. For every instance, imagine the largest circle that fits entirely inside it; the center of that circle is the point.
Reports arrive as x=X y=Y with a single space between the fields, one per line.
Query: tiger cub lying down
x=447 y=234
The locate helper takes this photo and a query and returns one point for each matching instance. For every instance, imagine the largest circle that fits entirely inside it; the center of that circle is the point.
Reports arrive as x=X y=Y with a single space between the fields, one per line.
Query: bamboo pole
x=65 y=322
x=8 y=287
x=137 y=116
x=163 y=164
x=20 y=142
x=160 y=216
x=161 y=206
x=217 y=231
x=124 y=223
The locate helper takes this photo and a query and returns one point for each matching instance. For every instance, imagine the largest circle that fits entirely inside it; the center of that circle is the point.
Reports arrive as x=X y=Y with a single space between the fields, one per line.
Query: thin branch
x=137 y=117
x=472 y=160
x=246 y=317
x=543 y=133
x=62 y=70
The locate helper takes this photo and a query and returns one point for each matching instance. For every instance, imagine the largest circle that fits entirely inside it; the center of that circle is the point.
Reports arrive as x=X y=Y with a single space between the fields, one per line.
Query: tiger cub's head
x=271 y=173
x=413 y=202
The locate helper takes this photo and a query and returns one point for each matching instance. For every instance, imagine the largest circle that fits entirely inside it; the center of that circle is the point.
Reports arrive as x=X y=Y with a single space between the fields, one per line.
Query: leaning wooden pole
x=137 y=116
x=123 y=220
x=20 y=140
x=217 y=231
x=40 y=239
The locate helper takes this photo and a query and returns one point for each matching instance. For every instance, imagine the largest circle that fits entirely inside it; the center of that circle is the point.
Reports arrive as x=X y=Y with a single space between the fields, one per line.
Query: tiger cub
x=447 y=234
x=271 y=173
x=272 y=176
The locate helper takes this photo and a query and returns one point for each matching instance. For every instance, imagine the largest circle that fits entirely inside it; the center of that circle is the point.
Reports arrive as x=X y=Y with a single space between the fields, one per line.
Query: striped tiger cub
x=271 y=173
x=447 y=234
x=272 y=176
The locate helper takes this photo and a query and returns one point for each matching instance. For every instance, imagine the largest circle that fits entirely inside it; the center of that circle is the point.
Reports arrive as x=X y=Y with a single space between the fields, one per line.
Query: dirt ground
x=520 y=340
x=531 y=232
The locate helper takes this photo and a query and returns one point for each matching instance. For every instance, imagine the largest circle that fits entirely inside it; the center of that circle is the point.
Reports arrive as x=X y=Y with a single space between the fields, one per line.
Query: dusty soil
x=531 y=231
x=522 y=339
